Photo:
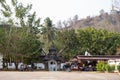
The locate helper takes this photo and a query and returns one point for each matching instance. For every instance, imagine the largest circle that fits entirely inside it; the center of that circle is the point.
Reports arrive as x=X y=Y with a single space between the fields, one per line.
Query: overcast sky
x=64 y=9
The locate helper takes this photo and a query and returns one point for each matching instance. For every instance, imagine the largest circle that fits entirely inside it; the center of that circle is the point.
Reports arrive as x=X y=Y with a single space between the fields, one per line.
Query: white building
x=115 y=62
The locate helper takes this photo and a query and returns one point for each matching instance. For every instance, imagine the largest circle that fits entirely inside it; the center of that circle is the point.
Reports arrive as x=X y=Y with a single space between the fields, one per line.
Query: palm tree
x=48 y=30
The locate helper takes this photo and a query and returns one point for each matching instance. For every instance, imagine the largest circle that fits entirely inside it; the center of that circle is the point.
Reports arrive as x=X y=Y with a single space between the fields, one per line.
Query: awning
x=98 y=57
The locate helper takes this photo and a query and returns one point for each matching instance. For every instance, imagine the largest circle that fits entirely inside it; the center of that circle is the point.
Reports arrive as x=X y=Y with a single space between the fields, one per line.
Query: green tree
x=96 y=41
x=16 y=37
x=29 y=46
x=48 y=30
x=66 y=41
x=48 y=33
x=99 y=42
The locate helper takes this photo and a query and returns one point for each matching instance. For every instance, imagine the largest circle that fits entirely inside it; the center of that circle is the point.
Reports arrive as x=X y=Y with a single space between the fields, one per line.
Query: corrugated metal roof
x=98 y=57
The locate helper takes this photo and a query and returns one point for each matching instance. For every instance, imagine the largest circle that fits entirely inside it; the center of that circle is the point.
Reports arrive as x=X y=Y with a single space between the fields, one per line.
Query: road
x=59 y=75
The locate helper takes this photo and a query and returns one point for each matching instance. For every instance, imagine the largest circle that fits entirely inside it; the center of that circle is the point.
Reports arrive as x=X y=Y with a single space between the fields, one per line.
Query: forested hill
x=107 y=21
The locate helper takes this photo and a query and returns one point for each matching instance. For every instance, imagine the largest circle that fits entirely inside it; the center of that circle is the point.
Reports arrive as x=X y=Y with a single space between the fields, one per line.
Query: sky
x=65 y=9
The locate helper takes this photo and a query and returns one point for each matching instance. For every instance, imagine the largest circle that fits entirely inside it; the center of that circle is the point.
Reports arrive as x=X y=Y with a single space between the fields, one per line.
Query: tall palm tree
x=48 y=30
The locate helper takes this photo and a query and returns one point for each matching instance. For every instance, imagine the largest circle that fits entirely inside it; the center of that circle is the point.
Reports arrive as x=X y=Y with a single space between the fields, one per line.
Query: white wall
x=39 y=65
x=1 y=65
x=114 y=62
x=1 y=61
x=11 y=65
x=19 y=65
x=62 y=65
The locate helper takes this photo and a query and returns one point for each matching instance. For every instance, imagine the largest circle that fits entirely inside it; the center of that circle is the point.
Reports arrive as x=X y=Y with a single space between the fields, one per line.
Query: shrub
x=111 y=68
x=106 y=67
x=118 y=67
x=100 y=66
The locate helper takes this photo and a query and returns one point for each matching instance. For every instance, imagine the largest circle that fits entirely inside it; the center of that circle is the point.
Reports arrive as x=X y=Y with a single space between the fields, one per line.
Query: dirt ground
x=58 y=75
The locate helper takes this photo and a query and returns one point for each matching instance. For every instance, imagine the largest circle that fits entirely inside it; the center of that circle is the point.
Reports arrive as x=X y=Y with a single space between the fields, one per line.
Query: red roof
x=74 y=59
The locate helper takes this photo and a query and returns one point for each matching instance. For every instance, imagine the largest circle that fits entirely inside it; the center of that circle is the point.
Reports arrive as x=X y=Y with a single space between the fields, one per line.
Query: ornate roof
x=52 y=55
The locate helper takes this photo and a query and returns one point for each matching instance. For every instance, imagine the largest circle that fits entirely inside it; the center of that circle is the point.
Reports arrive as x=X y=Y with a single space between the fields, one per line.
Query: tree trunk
x=16 y=64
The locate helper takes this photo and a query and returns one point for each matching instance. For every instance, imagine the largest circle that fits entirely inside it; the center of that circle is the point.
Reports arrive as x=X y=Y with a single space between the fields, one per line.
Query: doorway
x=52 y=65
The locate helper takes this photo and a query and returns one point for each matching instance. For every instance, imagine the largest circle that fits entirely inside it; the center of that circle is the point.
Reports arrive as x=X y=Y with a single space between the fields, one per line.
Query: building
x=52 y=60
x=92 y=60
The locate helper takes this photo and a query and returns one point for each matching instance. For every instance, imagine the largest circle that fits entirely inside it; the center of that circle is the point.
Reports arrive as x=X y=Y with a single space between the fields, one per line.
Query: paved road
x=40 y=75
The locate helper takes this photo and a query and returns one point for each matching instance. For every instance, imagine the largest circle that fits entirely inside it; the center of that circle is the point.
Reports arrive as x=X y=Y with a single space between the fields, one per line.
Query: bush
x=106 y=67
x=100 y=66
x=118 y=67
x=110 y=68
